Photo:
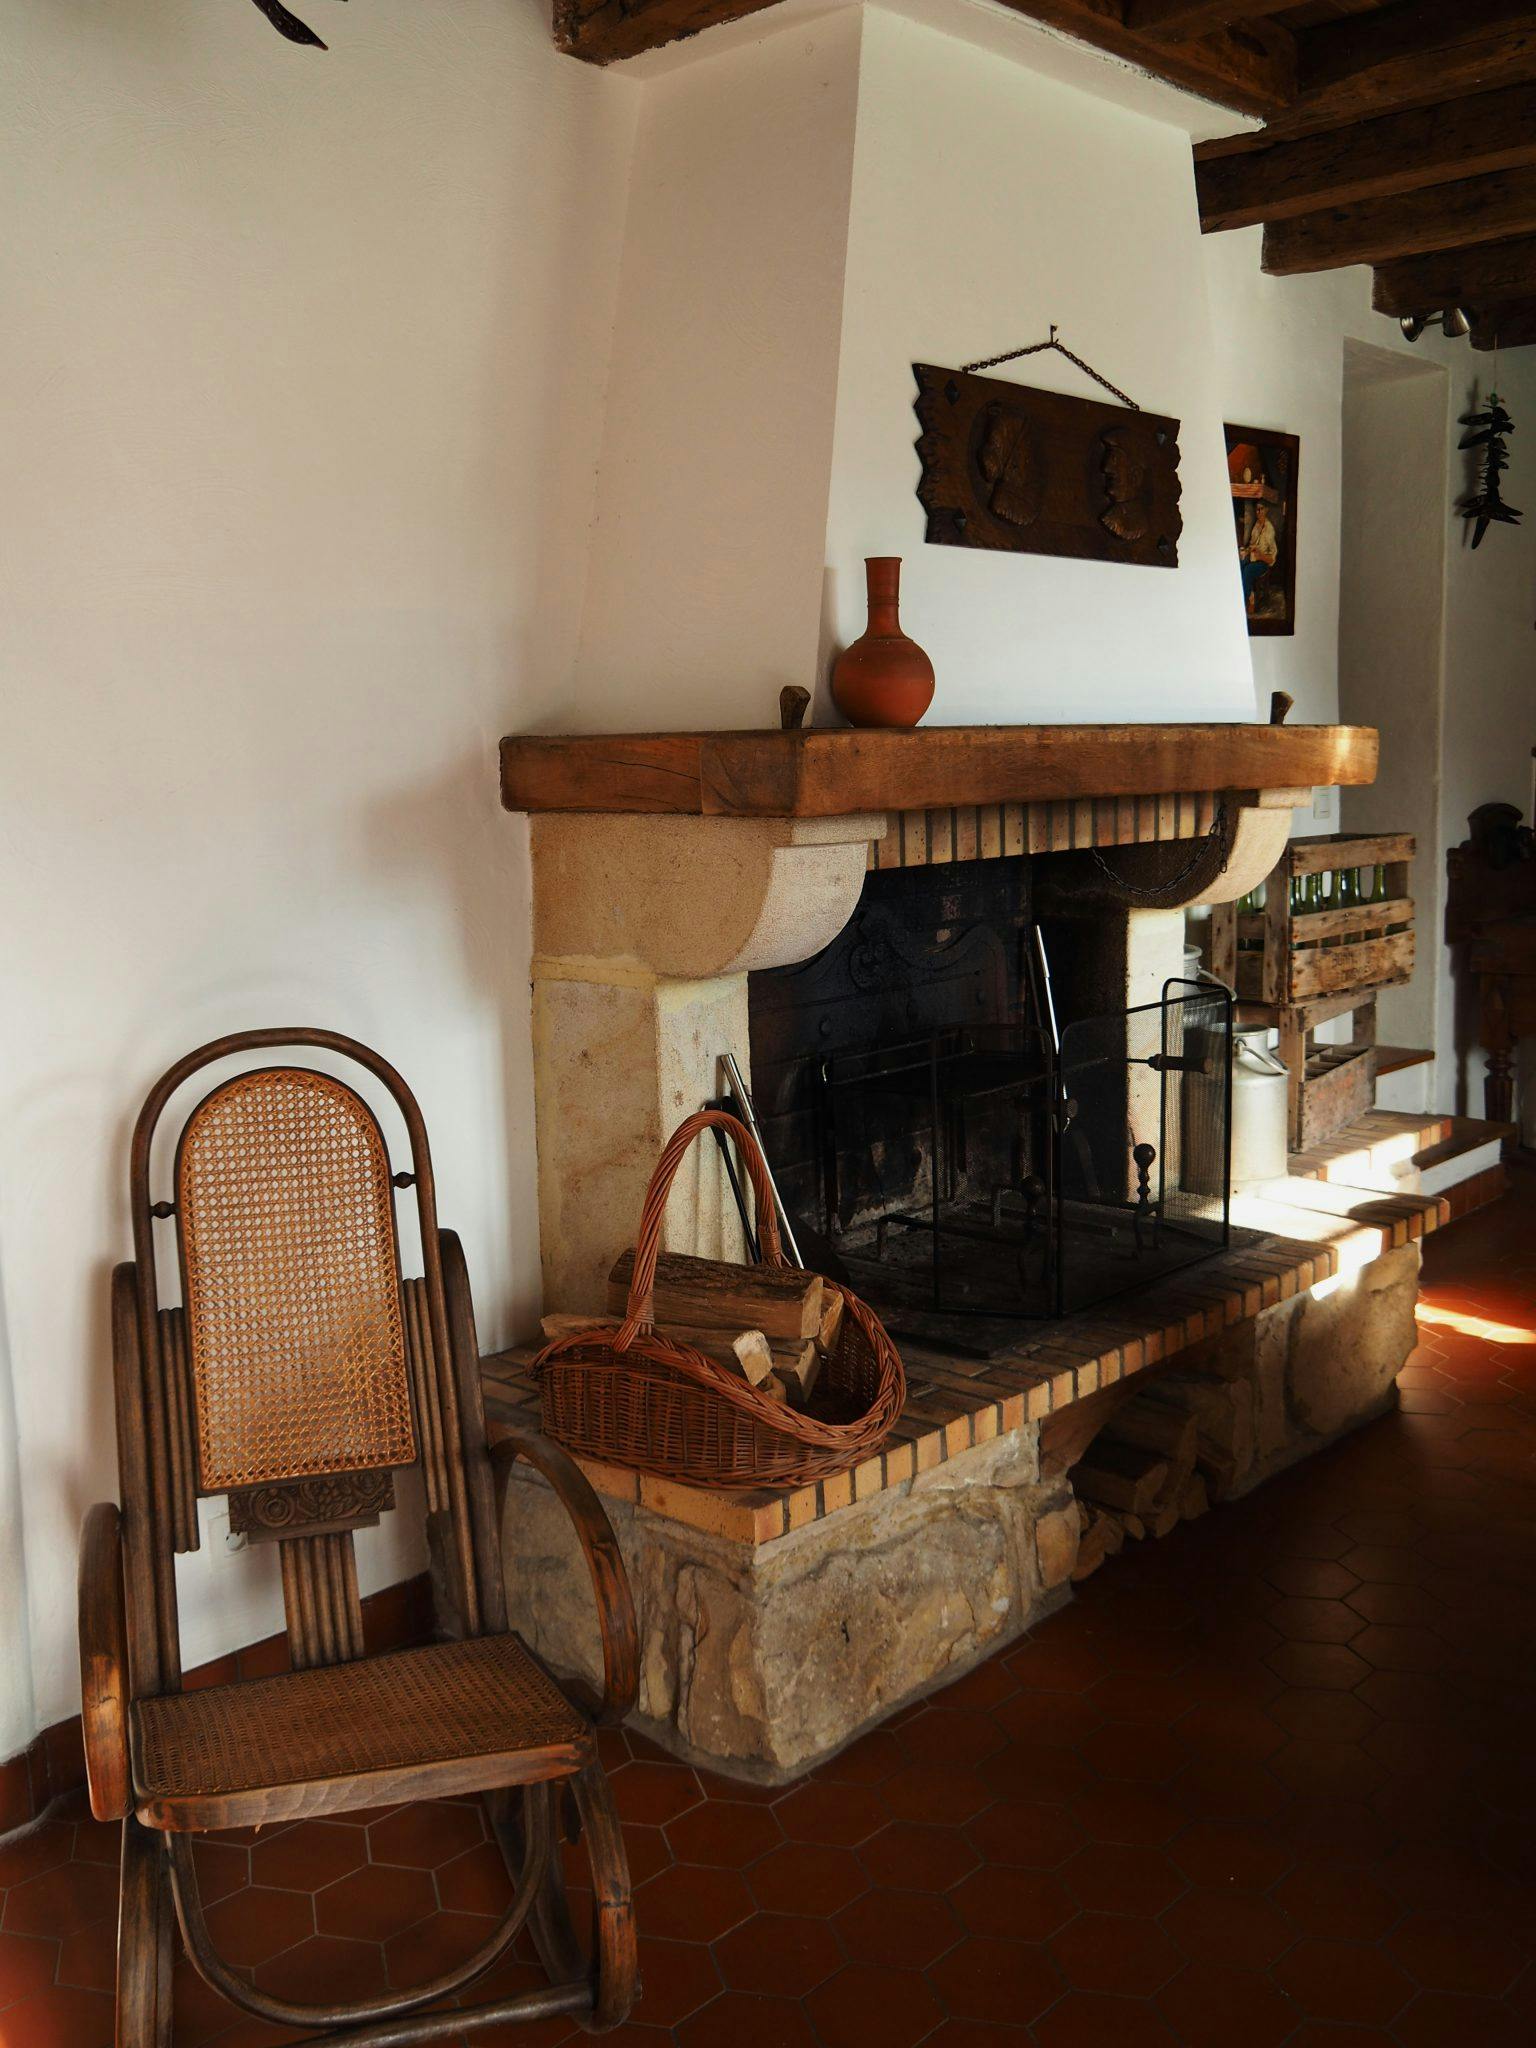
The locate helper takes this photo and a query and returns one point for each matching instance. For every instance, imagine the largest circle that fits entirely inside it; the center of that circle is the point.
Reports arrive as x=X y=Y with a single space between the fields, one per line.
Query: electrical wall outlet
x=1325 y=806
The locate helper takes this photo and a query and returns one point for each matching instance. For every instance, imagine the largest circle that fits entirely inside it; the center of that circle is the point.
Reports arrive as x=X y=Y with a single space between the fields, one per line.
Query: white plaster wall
x=989 y=201
x=1395 y=481
x=303 y=374
x=711 y=513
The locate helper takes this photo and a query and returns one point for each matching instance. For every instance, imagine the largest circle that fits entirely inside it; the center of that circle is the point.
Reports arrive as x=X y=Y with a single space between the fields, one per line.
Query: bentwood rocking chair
x=298 y=1375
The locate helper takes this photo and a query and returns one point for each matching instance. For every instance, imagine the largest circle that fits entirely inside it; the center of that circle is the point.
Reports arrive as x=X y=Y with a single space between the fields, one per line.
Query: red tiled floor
x=1266 y=1784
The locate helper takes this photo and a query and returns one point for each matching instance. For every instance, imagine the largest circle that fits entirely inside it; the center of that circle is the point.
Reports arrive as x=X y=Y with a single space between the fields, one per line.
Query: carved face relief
x=1010 y=462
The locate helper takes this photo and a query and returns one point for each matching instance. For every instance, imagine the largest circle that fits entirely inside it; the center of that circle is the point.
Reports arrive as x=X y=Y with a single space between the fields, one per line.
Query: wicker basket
x=630 y=1395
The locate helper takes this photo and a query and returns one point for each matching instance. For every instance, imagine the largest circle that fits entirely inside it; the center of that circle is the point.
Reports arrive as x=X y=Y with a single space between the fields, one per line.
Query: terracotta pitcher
x=883 y=678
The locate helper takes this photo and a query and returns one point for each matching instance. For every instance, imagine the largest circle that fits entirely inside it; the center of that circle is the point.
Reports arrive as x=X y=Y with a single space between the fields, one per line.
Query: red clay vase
x=883 y=678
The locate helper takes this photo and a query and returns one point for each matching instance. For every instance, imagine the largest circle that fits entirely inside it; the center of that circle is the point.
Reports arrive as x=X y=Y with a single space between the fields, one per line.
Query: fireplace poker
x=749 y=1117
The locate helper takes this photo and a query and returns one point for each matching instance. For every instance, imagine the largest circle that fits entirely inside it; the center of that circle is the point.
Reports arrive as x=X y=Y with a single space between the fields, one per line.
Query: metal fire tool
x=748 y=1115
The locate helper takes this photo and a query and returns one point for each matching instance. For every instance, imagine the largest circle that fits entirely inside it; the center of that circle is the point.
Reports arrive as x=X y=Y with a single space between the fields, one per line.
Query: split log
x=1154 y=1426
x=798 y=1366
x=1196 y=1497
x=747 y=1352
x=781 y=1301
x=1124 y=1478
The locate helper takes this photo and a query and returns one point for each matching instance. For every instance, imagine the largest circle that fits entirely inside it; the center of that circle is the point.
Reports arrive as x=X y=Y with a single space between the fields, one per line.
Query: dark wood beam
x=1245 y=179
x=604 y=31
x=1492 y=274
x=1505 y=326
x=1253 y=73
x=1473 y=210
x=1409 y=55
x=1184 y=17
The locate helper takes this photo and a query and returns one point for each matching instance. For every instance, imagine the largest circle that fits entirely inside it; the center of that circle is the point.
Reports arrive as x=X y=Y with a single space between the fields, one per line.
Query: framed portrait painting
x=1261 y=473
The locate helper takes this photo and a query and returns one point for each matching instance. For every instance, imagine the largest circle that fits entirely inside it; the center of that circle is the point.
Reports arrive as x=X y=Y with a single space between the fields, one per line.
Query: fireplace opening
x=966 y=1153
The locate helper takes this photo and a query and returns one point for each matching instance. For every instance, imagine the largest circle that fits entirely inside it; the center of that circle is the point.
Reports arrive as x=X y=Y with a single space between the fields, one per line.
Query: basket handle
x=638 y=1314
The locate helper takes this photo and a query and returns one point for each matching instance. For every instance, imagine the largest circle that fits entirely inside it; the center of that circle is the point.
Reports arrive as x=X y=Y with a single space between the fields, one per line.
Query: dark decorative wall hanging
x=1491 y=429
x=1036 y=473
x=289 y=25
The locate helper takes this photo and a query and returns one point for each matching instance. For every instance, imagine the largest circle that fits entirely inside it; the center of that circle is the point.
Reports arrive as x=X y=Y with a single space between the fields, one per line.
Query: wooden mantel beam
x=1243 y=180
x=1473 y=210
x=1492 y=274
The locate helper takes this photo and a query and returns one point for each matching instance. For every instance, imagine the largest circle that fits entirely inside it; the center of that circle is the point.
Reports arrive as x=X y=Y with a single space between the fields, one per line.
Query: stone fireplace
x=680 y=883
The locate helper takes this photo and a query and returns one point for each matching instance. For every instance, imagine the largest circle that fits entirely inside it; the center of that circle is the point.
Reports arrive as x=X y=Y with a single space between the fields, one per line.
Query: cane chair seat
x=470 y=1715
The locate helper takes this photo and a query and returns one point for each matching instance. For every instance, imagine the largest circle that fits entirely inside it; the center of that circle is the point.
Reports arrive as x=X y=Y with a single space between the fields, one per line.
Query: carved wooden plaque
x=320 y=1506
x=1036 y=473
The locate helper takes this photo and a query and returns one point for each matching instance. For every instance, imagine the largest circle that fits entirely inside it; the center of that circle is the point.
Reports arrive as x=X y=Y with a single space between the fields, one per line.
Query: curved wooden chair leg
x=143 y=1942
x=611 y=1963
x=616 y=1957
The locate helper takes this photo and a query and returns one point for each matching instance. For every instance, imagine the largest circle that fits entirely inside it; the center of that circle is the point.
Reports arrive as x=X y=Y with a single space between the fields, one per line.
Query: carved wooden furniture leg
x=1499 y=1086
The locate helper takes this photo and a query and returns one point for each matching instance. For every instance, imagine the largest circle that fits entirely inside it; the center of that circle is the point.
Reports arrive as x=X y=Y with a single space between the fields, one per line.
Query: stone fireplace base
x=775 y=1627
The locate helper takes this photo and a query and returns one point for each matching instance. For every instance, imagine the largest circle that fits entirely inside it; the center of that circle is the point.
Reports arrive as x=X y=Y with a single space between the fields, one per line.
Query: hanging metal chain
x=1034 y=349
x=1153 y=898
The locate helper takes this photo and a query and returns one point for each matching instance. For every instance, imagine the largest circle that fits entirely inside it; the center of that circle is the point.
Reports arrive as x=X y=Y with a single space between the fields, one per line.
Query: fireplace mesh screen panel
x=934 y=1145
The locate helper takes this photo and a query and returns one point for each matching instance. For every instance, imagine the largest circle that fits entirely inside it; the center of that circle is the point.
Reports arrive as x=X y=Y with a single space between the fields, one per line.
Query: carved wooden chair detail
x=298 y=1375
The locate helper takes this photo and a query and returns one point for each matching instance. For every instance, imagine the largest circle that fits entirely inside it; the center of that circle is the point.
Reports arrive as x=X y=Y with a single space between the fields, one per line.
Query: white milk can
x=1261 y=1117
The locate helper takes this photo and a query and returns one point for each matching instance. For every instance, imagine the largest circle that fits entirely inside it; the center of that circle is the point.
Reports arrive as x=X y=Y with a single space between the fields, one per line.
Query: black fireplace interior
x=964 y=1154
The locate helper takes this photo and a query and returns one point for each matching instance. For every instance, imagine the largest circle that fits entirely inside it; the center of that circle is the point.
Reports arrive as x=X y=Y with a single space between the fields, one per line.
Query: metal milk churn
x=1260 y=1111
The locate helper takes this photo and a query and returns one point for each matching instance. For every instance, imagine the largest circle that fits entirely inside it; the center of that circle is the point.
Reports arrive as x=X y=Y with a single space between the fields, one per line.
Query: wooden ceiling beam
x=1473 y=210
x=1243 y=180
x=1184 y=17
x=1252 y=73
x=1512 y=326
x=1491 y=274
x=1412 y=54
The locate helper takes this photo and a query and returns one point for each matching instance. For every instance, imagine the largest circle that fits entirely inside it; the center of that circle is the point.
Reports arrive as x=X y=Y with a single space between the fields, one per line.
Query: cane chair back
x=300 y=1371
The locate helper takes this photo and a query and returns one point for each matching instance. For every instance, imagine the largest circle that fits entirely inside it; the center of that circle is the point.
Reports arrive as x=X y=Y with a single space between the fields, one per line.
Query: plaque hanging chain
x=1035 y=348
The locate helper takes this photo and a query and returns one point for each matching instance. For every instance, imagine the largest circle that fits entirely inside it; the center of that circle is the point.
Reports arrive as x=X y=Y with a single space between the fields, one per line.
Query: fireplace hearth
x=958 y=1153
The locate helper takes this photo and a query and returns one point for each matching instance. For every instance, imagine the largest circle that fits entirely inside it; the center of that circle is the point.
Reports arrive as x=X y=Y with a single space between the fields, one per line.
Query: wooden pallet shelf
x=1298 y=968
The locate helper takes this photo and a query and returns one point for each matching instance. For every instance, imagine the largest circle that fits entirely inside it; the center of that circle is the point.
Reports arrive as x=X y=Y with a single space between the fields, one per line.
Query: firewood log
x=745 y=1351
x=781 y=1301
x=1121 y=1477
x=799 y=1367
x=1154 y=1426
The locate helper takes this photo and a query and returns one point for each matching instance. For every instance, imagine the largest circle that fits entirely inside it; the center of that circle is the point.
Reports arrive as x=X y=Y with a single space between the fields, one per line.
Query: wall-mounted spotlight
x=1453 y=323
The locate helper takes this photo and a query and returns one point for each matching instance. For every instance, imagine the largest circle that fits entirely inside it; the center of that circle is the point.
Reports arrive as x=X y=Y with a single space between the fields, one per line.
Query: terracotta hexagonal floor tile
x=1095 y=2019
x=373 y=1903
x=34 y=1850
x=325 y=1967
x=476 y=1882
x=841 y=1816
x=60 y=1899
x=1327 y=1770
x=741 y=2020
x=1117 y=1878
x=1315 y=1621
x=27 y=1965
x=222 y=1867
x=1342 y=1980
x=1013 y=1905
x=1008 y=1983
x=677 y=1978
x=1331 y=1666
x=805 y=1877
x=783 y=1954
x=686 y=1902
x=1134 y=1814
x=303 y=1858
x=1030 y=1837
x=898 y=1930
x=427 y=1836
x=1458 y=1952
x=1213 y=2005
x=950 y=1737
x=654 y=1793
x=909 y=1857
x=936 y=1793
x=1112 y=1952
x=1323 y=1716
x=726 y=1834
x=869 y=1761
x=60 y=2018
x=88 y=1957
x=861 y=2005
x=1218 y=1853
x=1310 y=1578
x=251 y=1926
x=1231 y=1927
x=1134 y=1752
x=1326 y=1899
x=1440 y=2019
